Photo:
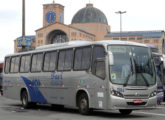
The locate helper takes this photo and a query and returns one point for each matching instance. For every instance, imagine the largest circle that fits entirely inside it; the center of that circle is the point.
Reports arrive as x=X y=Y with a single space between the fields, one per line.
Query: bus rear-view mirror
x=111 y=58
x=163 y=60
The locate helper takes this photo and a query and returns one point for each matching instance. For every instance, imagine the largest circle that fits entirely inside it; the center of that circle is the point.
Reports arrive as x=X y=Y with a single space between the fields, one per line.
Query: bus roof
x=119 y=42
x=79 y=43
x=151 y=46
x=66 y=44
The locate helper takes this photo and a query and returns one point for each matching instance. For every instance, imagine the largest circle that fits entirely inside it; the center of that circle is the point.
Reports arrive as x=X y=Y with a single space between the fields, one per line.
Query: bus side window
x=68 y=59
x=100 y=69
x=22 y=67
x=34 y=62
x=46 y=62
x=14 y=66
x=50 y=61
x=77 y=59
x=82 y=58
x=86 y=60
x=98 y=52
x=53 y=60
x=37 y=62
x=25 y=63
x=65 y=60
x=7 y=65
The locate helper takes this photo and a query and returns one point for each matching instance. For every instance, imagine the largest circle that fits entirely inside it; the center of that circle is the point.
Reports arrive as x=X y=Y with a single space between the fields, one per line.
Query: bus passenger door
x=98 y=76
x=100 y=84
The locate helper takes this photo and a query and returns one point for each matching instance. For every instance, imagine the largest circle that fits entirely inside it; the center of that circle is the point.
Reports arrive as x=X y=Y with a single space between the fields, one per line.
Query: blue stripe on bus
x=35 y=93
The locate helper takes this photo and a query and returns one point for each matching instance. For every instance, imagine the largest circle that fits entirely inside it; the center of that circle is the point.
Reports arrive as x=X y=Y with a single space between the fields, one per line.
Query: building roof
x=150 y=34
x=89 y=14
x=53 y=4
x=69 y=26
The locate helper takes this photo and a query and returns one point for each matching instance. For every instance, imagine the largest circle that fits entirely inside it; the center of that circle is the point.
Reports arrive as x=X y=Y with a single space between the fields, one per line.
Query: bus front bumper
x=122 y=103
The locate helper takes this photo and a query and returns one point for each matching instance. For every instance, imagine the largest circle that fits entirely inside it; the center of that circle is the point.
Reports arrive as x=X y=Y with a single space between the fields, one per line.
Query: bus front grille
x=145 y=96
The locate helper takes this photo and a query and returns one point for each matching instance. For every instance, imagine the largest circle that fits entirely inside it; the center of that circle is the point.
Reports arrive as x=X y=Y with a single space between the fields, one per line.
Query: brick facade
x=92 y=31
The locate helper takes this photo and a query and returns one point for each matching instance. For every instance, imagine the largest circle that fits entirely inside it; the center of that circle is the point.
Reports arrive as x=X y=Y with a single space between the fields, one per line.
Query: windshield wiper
x=127 y=79
x=132 y=72
x=145 y=80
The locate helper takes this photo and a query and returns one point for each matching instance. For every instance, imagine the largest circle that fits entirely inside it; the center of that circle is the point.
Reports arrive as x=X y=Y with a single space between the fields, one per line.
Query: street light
x=23 y=25
x=120 y=12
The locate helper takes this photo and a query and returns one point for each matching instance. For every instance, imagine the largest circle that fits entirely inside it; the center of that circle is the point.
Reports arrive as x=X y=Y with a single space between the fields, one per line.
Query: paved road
x=12 y=110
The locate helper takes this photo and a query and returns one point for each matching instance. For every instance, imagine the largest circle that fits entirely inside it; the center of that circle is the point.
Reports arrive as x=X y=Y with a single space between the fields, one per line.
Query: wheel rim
x=83 y=104
x=24 y=100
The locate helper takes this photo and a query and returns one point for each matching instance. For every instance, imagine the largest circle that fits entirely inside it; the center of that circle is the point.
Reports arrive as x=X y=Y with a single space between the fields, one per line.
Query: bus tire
x=83 y=104
x=125 y=112
x=24 y=99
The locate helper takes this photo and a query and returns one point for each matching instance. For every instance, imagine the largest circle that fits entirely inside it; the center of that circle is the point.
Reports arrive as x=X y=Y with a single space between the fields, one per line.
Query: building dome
x=89 y=14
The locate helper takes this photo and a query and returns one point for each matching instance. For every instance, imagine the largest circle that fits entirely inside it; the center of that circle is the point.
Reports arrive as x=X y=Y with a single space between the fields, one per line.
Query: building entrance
x=57 y=36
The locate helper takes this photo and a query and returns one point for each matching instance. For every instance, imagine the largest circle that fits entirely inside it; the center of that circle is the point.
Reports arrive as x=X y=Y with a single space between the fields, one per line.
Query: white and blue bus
x=160 y=68
x=105 y=75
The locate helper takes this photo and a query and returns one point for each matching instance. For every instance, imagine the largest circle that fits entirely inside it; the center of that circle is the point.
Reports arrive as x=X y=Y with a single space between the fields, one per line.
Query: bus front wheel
x=125 y=112
x=24 y=99
x=83 y=104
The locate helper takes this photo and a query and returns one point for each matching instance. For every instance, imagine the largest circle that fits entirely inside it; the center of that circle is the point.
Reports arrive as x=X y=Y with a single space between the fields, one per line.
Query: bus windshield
x=132 y=66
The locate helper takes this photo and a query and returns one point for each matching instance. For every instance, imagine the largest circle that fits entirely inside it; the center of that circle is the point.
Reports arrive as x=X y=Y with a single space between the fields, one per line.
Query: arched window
x=57 y=36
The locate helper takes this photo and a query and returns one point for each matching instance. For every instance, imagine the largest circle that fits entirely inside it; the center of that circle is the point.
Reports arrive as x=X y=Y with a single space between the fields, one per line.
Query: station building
x=89 y=23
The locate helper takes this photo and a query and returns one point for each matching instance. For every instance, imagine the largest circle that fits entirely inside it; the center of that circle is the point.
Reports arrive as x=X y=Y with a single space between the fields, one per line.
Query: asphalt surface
x=12 y=110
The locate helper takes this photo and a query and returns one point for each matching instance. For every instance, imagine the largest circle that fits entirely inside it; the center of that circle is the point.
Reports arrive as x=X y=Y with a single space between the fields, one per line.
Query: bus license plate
x=137 y=101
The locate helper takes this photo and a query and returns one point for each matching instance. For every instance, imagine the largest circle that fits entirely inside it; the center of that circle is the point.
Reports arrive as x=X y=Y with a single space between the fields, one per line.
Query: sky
x=140 y=15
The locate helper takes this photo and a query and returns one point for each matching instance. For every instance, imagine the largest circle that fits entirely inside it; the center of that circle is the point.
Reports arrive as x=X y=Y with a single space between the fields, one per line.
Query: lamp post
x=23 y=25
x=120 y=12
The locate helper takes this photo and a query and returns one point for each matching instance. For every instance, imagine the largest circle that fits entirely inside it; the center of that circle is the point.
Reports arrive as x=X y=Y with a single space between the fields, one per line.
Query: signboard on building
x=27 y=43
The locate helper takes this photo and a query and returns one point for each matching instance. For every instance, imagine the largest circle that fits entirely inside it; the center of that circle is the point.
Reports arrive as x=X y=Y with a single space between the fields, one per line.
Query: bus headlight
x=116 y=93
x=153 y=94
